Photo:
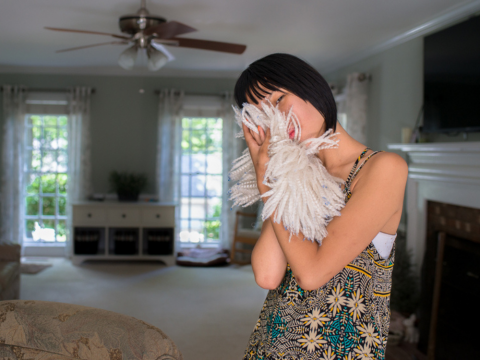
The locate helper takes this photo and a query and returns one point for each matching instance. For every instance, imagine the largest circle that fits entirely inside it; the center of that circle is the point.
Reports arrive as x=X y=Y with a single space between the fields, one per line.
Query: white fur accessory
x=303 y=195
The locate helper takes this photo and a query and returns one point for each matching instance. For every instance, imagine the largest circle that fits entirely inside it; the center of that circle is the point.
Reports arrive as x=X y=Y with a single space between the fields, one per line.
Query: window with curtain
x=197 y=144
x=201 y=180
x=46 y=176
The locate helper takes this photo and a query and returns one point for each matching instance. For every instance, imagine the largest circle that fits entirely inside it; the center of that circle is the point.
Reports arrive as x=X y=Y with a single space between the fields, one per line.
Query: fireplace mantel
x=443 y=172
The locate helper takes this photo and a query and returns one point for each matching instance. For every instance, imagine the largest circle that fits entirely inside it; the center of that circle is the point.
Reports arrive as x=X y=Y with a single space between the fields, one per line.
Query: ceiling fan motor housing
x=132 y=24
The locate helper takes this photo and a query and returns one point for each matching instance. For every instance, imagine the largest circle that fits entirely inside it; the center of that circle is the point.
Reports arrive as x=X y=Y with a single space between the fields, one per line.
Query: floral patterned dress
x=347 y=318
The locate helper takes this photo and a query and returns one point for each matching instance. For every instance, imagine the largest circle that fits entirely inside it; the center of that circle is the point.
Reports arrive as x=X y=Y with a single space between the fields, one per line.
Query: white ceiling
x=324 y=33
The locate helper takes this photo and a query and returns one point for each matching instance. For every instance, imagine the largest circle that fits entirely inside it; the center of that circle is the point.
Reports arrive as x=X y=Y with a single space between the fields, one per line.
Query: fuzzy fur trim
x=304 y=196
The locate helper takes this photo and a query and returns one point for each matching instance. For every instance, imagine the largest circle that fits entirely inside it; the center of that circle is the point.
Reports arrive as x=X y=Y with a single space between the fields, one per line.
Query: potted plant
x=127 y=185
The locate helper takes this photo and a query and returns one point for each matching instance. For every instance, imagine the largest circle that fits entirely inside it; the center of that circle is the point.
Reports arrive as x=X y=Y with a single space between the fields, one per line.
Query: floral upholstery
x=42 y=330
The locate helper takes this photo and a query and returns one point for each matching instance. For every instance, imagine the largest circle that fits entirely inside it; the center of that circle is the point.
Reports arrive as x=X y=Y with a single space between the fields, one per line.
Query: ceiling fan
x=149 y=33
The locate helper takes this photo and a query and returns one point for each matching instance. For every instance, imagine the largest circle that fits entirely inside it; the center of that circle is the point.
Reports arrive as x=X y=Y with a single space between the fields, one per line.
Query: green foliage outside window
x=204 y=134
x=32 y=205
x=46 y=192
x=49 y=184
x=213 y=226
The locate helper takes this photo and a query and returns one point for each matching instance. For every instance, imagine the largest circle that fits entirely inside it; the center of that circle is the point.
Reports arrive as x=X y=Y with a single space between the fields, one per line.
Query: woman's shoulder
x=388 y=160
x=382 y=167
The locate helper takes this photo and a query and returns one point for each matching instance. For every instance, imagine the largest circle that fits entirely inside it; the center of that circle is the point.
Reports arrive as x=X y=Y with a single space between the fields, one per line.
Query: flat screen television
x=452 y=79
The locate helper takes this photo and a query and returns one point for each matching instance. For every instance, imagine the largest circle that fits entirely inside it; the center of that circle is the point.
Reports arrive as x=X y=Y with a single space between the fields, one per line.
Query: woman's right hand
x=260 y=137
x=258 y=148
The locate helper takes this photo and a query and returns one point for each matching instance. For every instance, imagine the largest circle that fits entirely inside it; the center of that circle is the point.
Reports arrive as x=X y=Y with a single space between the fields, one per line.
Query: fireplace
x=450 y=282
x=443 y=222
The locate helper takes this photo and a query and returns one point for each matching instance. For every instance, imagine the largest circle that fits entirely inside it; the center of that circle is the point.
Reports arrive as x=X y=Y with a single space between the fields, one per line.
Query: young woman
x=330 y=301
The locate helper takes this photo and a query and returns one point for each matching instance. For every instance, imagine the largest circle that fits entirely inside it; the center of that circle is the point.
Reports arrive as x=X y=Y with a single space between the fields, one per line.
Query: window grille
x=46 y=146
x=201 y=179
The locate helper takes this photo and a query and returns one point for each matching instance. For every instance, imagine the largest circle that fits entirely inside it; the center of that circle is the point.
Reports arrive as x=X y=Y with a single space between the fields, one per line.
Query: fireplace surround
x=443 y=234
x=442 y=172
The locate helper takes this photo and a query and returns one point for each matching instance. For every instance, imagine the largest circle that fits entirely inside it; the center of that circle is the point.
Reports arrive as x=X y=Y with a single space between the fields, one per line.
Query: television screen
x=452 y=78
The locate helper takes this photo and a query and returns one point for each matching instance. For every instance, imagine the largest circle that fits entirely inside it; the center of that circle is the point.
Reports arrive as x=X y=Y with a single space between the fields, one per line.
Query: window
x=341 y=101
x=46 y=178
x=201 y=179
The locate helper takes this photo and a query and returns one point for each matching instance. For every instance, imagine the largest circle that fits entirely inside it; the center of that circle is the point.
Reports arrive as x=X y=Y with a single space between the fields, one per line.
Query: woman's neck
x=339 y=161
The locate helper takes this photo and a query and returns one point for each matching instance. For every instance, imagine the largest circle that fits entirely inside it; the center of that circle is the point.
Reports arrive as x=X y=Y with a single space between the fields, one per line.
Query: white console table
x=116 y=230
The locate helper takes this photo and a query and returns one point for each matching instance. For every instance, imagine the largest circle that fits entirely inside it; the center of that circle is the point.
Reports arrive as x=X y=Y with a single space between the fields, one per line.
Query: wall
x=123 y=121
x=395 y=96
x=395 y=93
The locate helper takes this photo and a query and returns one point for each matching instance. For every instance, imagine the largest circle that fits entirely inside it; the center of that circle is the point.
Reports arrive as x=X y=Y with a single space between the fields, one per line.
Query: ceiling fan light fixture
x=156 y=59
x=149 y=33
x=127 y=58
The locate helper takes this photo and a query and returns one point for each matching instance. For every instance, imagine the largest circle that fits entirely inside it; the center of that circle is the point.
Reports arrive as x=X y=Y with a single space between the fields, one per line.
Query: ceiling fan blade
x=165 y=42
x=211 y=45
x=88 y=46
x=169 y=29
x=88 y=32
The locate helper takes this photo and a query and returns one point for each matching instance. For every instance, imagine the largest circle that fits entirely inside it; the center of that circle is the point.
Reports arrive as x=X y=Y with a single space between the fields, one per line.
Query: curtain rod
x=157 y=92
x=47 y=90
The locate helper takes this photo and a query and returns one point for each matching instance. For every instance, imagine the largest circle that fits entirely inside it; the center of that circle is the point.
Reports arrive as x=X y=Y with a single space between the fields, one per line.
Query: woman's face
x=311 y=121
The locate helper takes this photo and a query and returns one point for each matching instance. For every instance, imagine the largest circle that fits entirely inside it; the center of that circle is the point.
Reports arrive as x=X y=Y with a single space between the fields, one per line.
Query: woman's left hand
x=258 y=148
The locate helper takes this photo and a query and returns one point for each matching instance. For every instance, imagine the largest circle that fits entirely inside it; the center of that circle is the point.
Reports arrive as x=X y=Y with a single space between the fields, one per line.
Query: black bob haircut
x=288 y=72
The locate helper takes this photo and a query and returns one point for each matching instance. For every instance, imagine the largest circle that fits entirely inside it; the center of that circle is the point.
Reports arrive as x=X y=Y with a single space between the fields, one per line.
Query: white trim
x=442 y=172
x=202 y=106
x=448 y=18
x=473 y=146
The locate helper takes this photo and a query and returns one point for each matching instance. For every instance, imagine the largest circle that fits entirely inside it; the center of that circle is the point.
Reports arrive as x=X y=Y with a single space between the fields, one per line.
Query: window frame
x=190 y=174
x=29 y=149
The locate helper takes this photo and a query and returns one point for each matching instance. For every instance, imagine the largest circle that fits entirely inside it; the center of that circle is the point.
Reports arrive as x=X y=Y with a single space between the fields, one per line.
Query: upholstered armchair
x=40 y=330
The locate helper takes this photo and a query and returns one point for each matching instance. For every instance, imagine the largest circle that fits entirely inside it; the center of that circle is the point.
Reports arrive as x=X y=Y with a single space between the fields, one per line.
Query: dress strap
x=355 y=171
x=349 y=179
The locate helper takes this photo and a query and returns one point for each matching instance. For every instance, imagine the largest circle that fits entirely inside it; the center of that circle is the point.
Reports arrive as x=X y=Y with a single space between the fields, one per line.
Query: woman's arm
x=377 y=196
x=268 y=261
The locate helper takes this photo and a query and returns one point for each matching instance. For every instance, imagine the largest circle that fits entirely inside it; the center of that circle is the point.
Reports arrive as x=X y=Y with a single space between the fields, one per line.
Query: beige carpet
x=208 y=312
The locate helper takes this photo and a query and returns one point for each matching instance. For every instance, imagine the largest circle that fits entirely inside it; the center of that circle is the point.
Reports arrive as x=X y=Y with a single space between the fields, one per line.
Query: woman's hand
x=258 y=148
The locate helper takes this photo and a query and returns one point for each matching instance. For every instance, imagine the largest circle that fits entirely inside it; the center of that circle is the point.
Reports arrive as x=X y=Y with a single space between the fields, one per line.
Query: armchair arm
x=10 y=251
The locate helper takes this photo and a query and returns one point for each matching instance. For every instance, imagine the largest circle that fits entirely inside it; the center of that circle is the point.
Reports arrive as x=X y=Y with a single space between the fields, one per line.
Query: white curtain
x=12 y=208
x=168 y=145
x=356 y=106
x=232 y=148
x=79 y=150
